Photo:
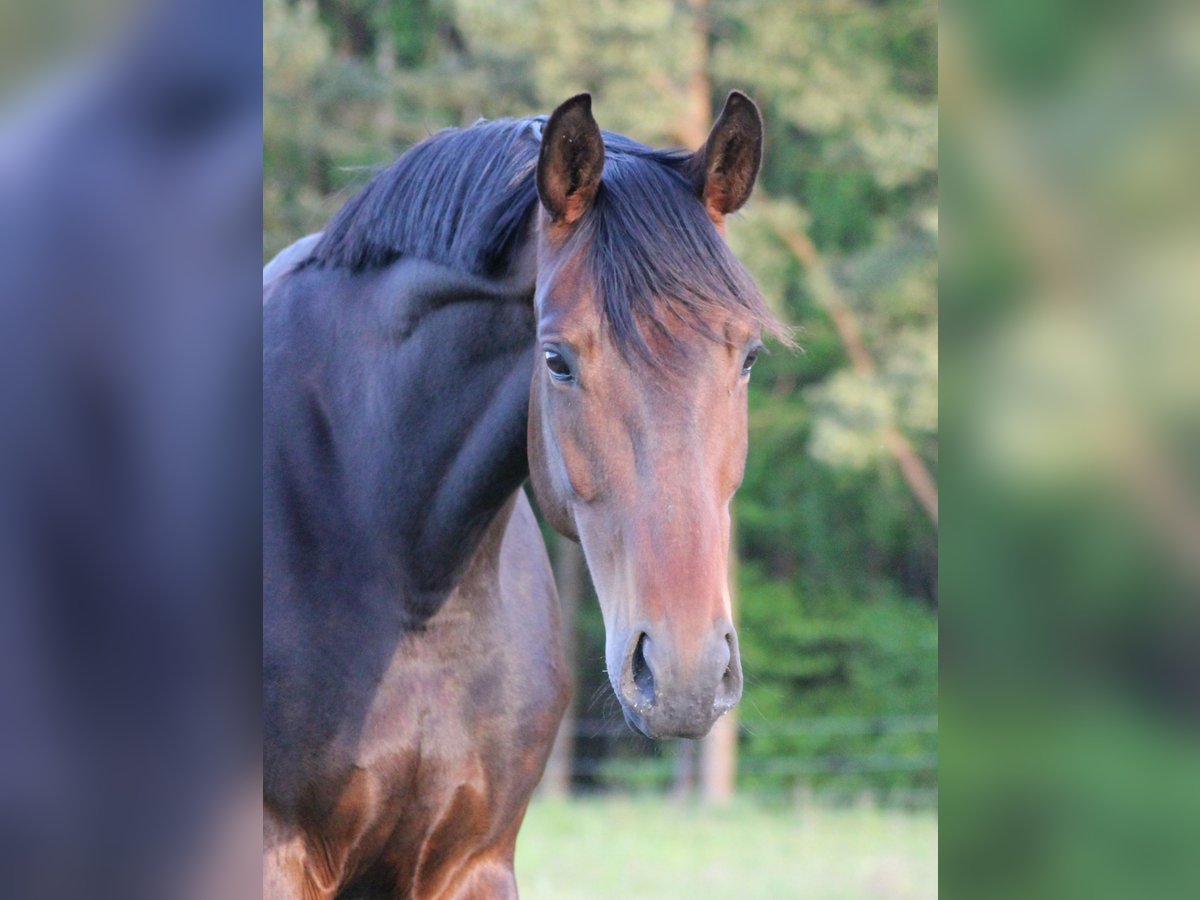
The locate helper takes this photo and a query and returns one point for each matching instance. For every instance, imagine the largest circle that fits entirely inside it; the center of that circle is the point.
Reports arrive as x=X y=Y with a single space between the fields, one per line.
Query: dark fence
x=891 y=759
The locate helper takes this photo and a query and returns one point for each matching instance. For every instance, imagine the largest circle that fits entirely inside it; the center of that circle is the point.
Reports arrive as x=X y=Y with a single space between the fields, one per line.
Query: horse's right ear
x=571 y=160
x=724 y=169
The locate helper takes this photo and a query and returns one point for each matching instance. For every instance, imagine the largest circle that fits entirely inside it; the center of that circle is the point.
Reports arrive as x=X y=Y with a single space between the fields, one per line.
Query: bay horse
x=531 y=299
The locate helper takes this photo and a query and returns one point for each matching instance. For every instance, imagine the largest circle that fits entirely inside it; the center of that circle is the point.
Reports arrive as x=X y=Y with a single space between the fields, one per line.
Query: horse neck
x=425 y=396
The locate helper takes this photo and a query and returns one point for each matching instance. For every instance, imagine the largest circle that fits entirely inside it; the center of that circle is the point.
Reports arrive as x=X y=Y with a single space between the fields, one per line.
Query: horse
x=517 y=300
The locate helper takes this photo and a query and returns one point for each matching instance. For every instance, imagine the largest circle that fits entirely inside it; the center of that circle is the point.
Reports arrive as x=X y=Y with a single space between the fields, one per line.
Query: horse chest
x=459 y=728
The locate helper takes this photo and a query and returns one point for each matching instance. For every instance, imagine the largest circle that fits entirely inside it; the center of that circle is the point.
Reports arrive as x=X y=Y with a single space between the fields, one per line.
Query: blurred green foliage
x=837 y=581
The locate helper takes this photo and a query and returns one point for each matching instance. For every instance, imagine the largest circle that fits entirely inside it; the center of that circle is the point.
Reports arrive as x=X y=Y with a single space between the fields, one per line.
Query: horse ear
x=724 y=169
x=570 y=161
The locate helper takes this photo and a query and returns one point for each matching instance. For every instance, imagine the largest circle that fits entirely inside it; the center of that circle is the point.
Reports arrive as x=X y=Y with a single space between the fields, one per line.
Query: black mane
x=464 y=198
x=460 y=198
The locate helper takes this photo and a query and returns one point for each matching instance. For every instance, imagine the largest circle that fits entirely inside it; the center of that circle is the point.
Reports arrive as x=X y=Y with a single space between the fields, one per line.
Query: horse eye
x=559 y=370
x=748 y=363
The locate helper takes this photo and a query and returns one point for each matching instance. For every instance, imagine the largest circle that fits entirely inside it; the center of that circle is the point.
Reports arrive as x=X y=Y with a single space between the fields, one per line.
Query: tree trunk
x=697 y=109
x=718 y=761
x=684 y=784
x=718 y=750
x=385 y=69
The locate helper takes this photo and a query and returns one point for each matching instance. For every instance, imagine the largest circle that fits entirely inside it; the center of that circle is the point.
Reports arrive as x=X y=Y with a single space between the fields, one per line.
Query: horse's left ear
x=570 y=161
x=725 y=168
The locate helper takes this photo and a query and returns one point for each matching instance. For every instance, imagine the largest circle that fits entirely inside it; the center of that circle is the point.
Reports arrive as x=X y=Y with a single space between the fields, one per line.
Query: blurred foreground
x=1070 y=663
x=129 y=453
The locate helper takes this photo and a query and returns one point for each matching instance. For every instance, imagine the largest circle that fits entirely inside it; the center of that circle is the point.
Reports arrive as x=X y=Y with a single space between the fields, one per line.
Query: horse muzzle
x=665 y=693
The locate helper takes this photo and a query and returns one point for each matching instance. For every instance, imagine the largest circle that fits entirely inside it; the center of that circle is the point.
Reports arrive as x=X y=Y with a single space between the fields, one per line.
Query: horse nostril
x=729 y=690
x=643 y=678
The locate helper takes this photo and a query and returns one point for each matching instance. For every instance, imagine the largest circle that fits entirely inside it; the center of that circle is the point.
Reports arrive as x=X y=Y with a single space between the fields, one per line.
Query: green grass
x=653 y=848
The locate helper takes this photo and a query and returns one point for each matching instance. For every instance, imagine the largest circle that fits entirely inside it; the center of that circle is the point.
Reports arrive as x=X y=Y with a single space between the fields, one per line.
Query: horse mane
x=460 y=198
x=464 y=198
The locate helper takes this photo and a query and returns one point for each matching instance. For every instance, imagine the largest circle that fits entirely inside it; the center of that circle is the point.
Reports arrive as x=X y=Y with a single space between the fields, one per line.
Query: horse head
x=647 y=329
